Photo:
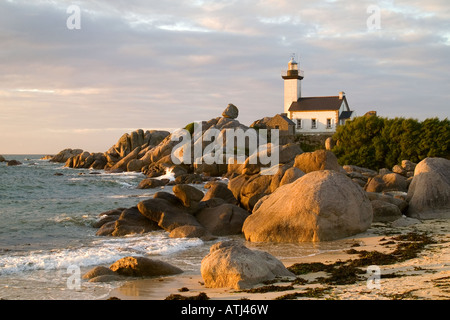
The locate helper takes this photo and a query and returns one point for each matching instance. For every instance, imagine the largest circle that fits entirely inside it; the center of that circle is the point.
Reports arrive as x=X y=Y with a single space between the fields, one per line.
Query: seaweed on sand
x=200 y=296
x=308 y=293
x=304 y=268
x=268 y=288
x=346 y=272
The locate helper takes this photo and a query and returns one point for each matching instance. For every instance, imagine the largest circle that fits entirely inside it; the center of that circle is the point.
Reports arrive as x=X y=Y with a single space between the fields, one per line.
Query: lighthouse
x=312 y=115
x=292 y=84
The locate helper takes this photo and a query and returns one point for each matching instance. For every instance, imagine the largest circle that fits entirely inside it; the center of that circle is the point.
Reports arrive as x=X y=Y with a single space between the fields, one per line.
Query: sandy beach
x=424 y=277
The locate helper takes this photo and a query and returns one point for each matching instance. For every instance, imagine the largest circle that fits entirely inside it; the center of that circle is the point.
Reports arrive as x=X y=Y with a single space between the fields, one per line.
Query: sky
x=70 y=80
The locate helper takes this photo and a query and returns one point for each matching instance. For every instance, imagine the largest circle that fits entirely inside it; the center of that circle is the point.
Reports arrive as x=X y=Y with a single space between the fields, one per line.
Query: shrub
x=375 y=142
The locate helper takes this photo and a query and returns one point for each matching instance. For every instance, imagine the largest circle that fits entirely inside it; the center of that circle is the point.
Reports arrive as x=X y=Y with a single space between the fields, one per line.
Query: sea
x=47 y=238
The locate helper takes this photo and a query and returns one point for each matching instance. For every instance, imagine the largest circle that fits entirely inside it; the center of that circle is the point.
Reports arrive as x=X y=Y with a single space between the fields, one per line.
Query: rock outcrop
x=65 y=154
x=429 y=192
x=150 y=183
x=230 y=112
x=143 y=267
x=401 y=204
x=222 y=220
x=87 y=160
x=321 y=205
x=101 y=274
x=219 y=190
x=317 y=160
x=385 y=212
x=166 y=214
x=189 y=195
x=129 y=221
x=12 y=163
x=359 y=175
x=230 y=265
x=387 y=182
x=248 y=189
x=291 y=175
x=188 y=231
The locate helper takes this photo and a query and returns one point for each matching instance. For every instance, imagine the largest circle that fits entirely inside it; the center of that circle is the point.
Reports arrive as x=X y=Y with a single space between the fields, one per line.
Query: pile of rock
x=415 y=190
x=188 y=212
x=86 y=160
x=359 y=175
x=384 y=180
x=150 y=151
x=128 y=154
x=249 y=185
x=406 y=168
x=301 y=194
x=397 y=179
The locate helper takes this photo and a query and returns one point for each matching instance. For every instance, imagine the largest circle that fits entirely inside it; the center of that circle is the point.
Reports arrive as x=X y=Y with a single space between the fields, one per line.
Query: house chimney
x=341 y=95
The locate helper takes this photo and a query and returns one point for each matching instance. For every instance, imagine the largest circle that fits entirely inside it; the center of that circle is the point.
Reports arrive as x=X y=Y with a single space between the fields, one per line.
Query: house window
x=299 y=123
x=329 y=123
x=313 y=123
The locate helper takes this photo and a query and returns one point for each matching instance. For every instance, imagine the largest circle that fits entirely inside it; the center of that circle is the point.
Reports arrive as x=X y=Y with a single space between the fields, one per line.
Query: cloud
x=152 y=64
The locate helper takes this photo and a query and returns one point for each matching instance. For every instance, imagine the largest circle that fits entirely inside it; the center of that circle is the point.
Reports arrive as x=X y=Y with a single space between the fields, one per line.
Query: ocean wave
x=127 y=196
x=121 y=175
x=124 y=184
x=79 y=220
x=103 y=251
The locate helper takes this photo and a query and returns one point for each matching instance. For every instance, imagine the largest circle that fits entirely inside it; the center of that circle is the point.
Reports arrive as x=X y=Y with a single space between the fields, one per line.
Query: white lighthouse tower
x=292 y=84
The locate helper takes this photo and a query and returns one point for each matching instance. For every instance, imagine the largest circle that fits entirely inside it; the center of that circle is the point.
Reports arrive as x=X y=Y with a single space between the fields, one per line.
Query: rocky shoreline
x=10 y=163
x=309 y=198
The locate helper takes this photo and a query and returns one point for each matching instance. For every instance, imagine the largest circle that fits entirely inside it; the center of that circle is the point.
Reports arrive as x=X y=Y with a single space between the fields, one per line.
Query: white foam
x=124 y=184
x=168 y=175
x=102 y=251
x=76 y=179
x=123 y=175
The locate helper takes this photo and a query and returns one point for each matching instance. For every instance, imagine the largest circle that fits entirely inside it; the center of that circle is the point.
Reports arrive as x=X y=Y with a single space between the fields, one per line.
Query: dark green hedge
x=375 y=142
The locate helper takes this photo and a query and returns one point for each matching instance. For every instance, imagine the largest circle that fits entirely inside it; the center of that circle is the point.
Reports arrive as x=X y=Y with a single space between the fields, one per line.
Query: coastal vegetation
x=376 y=142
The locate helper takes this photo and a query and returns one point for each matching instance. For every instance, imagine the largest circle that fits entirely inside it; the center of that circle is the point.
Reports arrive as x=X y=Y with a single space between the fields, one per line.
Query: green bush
x=190 y=127
x=375 y=142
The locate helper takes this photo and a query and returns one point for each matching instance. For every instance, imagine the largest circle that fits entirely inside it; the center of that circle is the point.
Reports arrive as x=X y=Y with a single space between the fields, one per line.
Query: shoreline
x=425 y=277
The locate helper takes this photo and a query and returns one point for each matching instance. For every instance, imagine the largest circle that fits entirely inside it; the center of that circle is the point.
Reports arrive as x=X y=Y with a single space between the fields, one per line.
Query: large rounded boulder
x=319 y=206
x=143 y=267
x=231 y=265
x=429 y=192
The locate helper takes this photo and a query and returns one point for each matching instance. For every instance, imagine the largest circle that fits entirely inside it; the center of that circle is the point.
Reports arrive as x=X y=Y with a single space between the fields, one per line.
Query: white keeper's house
x=312 y=114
